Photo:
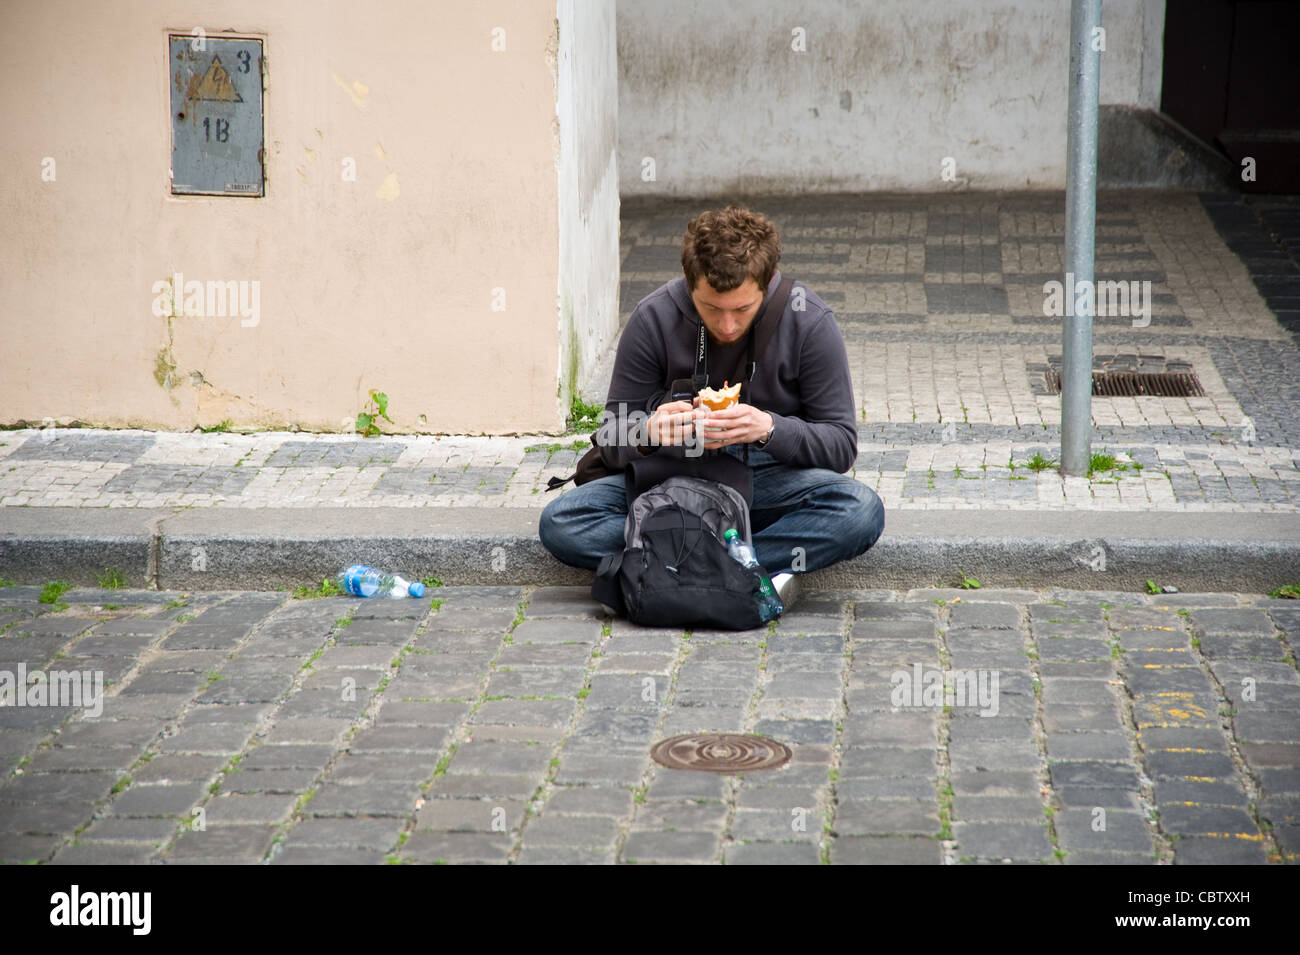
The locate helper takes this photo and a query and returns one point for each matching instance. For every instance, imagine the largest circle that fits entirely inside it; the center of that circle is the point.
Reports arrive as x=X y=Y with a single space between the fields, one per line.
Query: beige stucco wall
x=386 y=282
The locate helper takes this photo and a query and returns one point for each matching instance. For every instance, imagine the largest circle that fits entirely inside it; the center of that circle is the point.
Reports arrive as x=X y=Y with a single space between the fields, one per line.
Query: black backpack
x=675 y=570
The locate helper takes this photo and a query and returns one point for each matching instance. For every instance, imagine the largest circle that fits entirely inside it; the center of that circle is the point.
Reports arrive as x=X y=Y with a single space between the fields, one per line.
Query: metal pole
x=1080 y=236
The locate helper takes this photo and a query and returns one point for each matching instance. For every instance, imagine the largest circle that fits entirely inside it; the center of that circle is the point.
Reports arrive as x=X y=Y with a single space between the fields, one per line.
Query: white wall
x=717 y=97
x=587 y=114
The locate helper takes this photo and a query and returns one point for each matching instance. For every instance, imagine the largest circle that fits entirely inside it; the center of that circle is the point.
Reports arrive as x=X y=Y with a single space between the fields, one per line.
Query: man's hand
x=674 y=422
x=739 y=424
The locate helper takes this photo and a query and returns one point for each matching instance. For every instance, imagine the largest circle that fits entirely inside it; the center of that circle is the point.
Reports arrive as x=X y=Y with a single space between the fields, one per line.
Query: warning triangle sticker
x=215 y=85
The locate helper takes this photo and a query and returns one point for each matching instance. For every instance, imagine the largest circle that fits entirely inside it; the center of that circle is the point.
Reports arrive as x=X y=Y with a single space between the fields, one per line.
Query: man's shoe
x=787 y=587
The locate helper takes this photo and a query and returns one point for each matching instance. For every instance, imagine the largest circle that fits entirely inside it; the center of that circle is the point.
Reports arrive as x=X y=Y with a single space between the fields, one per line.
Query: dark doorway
x=1230 y=79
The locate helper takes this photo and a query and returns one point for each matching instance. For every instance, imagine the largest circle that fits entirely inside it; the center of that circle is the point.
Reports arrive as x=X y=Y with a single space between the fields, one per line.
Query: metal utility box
x=216 y=109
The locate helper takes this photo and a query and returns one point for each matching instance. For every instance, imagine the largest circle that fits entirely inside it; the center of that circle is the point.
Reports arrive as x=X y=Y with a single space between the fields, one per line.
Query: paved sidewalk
x=504 y=724
x=941 y=302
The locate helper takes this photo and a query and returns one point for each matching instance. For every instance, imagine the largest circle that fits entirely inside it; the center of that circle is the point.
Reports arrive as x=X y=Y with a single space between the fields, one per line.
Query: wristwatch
x=768 y=436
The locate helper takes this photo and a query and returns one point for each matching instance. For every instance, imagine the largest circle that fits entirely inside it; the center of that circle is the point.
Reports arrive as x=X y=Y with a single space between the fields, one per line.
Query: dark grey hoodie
x=802 y=379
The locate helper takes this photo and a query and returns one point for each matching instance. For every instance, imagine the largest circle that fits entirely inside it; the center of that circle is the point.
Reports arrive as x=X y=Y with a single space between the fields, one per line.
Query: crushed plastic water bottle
x=769 y=604
x=361 y=580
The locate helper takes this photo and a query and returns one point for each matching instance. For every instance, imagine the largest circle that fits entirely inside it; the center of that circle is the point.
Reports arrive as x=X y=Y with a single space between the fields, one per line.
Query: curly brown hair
x=729 y=246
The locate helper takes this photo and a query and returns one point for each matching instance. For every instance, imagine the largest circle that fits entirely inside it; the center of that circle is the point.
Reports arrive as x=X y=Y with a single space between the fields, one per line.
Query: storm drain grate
x=1129 y=384
x=1133 y=376
x=720 y=753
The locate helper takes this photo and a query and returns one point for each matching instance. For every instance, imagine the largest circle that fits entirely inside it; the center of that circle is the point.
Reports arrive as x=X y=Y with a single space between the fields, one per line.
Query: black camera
x=683 y=389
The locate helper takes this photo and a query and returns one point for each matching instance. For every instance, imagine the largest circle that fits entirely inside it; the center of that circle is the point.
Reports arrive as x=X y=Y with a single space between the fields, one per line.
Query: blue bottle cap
x=417 y=589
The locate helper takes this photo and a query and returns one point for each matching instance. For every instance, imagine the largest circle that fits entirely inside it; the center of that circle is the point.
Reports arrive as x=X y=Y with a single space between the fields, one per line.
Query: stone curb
x=223 y=549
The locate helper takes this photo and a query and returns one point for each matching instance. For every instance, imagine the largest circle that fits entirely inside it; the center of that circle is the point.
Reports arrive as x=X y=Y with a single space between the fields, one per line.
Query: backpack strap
x=766 y=323
x=762 y=333
x=591 y=467
x=605 y=587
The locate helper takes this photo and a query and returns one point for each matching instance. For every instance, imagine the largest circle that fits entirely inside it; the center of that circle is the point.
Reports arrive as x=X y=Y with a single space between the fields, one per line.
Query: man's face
x=727 y=315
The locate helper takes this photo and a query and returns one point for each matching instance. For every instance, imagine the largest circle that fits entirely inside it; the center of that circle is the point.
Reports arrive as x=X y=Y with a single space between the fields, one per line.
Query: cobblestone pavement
x=941 y=302
x=504 y=724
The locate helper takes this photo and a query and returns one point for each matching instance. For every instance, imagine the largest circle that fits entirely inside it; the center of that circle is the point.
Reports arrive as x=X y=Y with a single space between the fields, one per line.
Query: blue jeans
x=803 y=518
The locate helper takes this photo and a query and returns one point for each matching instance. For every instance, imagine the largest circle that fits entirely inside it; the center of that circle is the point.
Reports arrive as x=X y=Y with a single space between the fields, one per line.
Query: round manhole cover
x=720 y=753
